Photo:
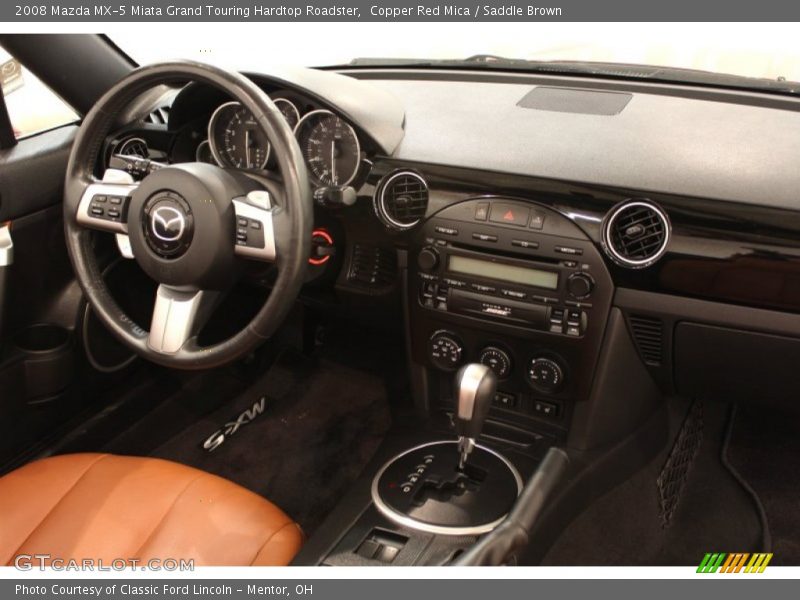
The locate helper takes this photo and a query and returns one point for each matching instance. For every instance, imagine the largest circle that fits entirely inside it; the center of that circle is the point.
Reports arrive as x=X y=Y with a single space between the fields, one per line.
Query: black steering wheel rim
x=292 y=246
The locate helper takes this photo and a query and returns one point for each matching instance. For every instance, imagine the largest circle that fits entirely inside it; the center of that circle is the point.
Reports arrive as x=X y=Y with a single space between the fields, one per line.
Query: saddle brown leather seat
x=108 y=507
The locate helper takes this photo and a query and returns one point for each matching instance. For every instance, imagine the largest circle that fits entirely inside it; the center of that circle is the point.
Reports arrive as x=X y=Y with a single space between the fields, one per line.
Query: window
x=32 y=106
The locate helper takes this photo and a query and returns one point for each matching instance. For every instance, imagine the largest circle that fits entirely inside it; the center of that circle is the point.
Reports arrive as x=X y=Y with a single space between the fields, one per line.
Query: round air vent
x=401 y=199
x=133 y=147
x=636 y=233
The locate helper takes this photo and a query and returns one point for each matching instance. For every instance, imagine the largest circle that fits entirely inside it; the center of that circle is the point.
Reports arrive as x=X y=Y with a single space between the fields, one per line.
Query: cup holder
x=42 y=338
x=47 y=359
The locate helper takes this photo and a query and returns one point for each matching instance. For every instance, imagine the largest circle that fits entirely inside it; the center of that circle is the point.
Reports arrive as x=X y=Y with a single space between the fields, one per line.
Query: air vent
x=401 y=199
x=133 y=147
x=636 y=234
x=159 y=116
x=648 y=333
x=373 y=267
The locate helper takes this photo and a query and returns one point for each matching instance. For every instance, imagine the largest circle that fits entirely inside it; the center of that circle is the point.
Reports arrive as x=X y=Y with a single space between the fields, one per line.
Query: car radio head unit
x=535 y=270
x=522 y=275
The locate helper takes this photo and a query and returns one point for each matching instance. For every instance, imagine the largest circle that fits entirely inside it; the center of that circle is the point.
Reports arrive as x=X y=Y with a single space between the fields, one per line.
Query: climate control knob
x=545 y=375
x=428 y=258
x=445 y=351
x=497 y=360
x=580 y=285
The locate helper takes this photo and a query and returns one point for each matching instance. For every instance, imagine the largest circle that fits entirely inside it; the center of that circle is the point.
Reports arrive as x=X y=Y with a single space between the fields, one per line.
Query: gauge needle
x=334 y=179
x=247 y=147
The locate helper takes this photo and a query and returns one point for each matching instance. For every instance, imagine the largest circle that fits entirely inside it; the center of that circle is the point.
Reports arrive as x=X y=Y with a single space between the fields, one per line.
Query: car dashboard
x=521 y=220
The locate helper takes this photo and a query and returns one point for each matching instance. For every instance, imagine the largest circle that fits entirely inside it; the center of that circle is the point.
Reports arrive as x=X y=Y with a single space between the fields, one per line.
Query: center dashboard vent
x=401 y=199
x=636 y=233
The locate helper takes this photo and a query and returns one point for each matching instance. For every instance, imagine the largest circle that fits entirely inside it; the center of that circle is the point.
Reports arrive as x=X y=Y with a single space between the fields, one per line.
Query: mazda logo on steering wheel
x=167 y=223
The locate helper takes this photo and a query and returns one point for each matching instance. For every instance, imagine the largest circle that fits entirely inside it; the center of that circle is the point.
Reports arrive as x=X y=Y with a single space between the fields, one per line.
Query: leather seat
x=108 y=507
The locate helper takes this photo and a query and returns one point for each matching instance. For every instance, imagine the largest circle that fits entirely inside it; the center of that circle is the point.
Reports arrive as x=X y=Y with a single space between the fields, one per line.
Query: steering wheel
x=191 y=226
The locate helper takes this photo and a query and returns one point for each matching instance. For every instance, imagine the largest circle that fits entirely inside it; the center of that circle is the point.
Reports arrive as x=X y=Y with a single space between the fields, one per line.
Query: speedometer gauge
x=236 y=139
x=330 y=148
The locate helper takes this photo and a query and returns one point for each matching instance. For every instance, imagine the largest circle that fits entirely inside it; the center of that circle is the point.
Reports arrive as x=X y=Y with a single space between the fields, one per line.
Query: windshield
x=767 y=52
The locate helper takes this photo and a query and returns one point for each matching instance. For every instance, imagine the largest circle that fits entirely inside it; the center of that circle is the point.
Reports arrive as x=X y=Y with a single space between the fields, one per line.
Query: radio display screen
x=503 y=272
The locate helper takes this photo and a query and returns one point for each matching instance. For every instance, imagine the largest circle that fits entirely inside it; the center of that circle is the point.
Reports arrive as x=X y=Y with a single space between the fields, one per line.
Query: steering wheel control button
x=445 y=351
x=545 y=375
x=99 y=207
x=168 y=224
x=249 y=233
x=254 y=235
x=509 y=214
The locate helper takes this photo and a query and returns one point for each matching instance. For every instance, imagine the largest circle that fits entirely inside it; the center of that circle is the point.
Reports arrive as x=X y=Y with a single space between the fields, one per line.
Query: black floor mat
x=322 y=423
x=683 y=504
x=765 y=449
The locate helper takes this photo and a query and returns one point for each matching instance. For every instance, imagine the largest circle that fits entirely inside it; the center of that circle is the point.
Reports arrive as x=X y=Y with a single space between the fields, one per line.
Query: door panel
x=39 y=357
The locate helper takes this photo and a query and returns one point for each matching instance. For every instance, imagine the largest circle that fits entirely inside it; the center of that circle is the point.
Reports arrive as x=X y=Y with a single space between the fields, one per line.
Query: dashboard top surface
x=677 y=145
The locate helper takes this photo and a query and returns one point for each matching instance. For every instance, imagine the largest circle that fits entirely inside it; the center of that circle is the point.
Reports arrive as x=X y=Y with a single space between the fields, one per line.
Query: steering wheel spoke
x=255 y=231
x=178 y=316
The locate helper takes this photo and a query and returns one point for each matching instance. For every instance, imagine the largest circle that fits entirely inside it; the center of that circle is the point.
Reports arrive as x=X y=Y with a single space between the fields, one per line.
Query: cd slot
x=505 y=254
x=533 y=315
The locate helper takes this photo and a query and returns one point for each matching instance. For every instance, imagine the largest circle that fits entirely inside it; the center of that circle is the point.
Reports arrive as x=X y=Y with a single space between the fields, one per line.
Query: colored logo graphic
x=741 y=562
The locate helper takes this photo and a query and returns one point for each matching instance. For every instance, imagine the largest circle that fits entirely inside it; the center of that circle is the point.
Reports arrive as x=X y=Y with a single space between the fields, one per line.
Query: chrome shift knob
x=475 y=386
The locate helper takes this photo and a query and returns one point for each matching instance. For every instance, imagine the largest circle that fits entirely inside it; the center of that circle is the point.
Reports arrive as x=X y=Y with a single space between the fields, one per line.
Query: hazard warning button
x=510 y=214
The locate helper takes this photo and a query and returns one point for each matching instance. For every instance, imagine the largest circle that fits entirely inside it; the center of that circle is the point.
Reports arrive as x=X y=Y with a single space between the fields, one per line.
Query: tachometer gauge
x=236 y=139
x=289 y=111
x=330 y=148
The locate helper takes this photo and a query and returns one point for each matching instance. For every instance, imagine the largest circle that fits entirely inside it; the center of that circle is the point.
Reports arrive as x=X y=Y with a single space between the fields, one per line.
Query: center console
x=517 y=287
x=506 y=307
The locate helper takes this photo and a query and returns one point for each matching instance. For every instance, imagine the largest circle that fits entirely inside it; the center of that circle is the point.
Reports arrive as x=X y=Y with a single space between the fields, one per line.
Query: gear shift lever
x=475 y=386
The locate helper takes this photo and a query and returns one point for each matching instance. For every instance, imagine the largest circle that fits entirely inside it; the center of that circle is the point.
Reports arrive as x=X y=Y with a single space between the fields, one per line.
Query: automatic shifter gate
x=452 y=487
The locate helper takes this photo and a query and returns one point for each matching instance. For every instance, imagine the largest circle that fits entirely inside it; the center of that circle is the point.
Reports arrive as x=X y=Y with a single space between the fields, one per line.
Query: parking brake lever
x=475 y=386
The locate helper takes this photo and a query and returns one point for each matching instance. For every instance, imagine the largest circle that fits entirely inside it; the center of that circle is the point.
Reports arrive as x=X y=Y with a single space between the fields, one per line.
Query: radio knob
x=545 y=375
x=428 y=258
x=497 y=360
x=580 y=285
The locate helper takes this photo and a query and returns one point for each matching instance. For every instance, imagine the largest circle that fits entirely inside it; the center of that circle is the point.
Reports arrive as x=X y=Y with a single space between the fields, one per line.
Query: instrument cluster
x=329 y=144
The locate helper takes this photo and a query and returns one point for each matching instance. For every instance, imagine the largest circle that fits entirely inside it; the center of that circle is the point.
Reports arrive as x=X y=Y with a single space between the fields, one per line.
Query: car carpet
x=714 y=509
x=765 y=449
x=322 y=423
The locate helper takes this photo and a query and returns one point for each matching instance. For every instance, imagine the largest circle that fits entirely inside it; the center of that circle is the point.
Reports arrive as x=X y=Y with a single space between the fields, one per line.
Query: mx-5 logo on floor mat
x=216 y=439
x=737 y=562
